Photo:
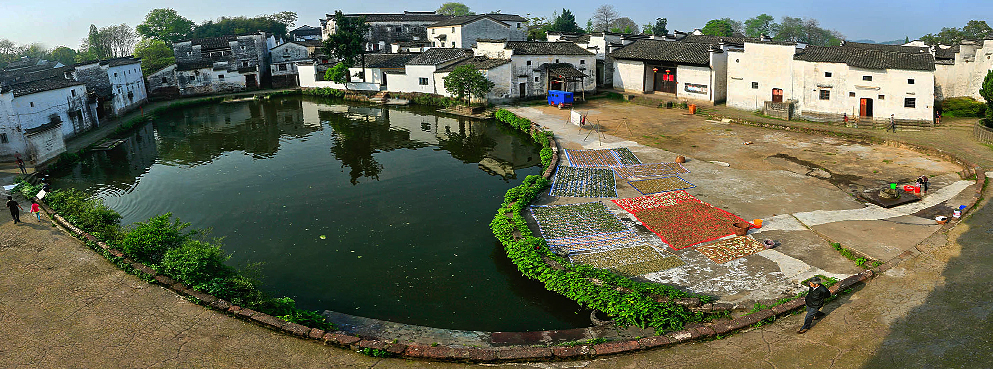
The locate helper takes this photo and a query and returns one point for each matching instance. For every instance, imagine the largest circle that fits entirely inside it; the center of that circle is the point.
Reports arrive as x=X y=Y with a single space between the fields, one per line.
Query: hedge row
x=628 y=302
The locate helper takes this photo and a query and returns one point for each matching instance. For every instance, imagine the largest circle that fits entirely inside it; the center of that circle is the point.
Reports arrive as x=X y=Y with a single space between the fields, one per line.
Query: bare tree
x=604 y=17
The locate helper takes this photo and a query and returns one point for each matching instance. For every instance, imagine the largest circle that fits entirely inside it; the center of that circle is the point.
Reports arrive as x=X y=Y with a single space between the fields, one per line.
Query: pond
x=373 y=211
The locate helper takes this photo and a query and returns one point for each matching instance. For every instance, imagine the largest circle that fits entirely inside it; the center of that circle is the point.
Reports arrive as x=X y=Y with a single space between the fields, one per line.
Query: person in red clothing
x=816 y=295
x=36 y=209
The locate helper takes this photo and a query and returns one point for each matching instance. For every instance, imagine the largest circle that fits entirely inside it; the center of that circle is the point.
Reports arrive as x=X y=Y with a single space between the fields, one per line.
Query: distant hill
x=894 y=42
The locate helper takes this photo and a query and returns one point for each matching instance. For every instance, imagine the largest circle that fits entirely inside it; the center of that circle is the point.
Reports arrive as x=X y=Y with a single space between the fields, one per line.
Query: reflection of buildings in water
x=119 y=168
x=201 y=134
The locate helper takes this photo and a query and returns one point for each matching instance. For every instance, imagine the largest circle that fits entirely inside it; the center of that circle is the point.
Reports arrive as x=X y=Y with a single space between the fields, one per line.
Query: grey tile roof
x=706 y=39
x=435 y=56
x=948 y=53
x=199 y=64
x=479 y=62
x=507 y=17
x=665 y=51
x=120 y=61
x=384 y=60
x=219 y=42
x=563 y=70
x=458 y=21
x=866 y=58
x=545 y=48
x=891 y=48
x=42 y=85
x=395 y=17
x=306 y=30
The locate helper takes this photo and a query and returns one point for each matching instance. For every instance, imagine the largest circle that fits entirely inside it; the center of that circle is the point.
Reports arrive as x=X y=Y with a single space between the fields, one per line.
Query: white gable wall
x=965 y=77
x=891 y=84
x=769 y=65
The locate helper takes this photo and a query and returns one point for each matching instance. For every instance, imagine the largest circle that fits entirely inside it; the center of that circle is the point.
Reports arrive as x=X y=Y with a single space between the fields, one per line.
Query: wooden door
x=865 y=107
x=669 y=80
x=777 y=95
x=523 y=88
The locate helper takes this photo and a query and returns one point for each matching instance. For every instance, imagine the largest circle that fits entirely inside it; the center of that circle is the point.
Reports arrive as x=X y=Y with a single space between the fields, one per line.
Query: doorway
x=777 y=95
x=523 y=89
x=384 y=80
x=664 y=79
x=250 y=81
x=865 y=107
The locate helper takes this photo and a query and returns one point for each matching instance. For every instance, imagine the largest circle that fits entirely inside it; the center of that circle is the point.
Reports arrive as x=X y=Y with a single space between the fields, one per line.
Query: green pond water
x=371 y=211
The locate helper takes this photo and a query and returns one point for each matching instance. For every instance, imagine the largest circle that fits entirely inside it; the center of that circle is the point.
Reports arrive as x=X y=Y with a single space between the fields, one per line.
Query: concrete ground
x=801 y=185
x=62 y=305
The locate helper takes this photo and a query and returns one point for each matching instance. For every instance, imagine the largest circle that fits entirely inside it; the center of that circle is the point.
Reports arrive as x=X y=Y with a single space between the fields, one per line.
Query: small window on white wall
x=582 y=61
x=536 y=79
x=422 y=81
x=32 y=104
x=3 y=138
x=827 y=74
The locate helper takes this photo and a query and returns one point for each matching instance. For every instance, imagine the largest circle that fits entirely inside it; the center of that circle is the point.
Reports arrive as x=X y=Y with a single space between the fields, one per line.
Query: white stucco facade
x=965 y=77
x=499 y=75
x=527 y=77
x=37 y=124
x=758 y=69
x=465 y=35
x=128 y=85
x=904 y=94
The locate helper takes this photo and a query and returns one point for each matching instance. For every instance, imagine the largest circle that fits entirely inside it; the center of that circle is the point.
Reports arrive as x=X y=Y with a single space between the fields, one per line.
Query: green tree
x=566 y=22
x=165 y=24
x=155 y=54
x=466 y=81
x=96 y=46
x=238 y=26
x=659 y=28
x=338 y=74
x=285 y=17
x=348 y=40
x=762 y=24
x=718 y=27
x=736 y=26
x=538 y=28
x=987 y=93
x=625 y=25
x=63 y=55
x=976 y=30
x=456 y=9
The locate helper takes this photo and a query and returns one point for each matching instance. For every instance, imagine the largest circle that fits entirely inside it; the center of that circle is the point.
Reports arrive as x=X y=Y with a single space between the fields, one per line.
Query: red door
x=865 y=107
x=777 y=95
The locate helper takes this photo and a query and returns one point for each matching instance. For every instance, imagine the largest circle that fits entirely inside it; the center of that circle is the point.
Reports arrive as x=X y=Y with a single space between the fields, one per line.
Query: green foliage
x=861 y=262
x=433 y=100
x=63 y=55
x=195 y=262
x=155 y=54
x=987 y=93
x=338 y=74
x=718 y=27
x=762 y=24
x=28 y=190
x=86 y=212
x=239 y=26
x=348 y=40
x=637 y=307
x=456 y=9
x=806 y=31
x=165 y=25
x=324 y=92
x=565 y=22
x=657 y=29
x=592 y=341
x=374 y=352
x=150 y=241
x=962 y=107
x=973 y=30
x=466 y=81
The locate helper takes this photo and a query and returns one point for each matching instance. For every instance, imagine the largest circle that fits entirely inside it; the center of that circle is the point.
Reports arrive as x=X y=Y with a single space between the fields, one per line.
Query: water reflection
x=375 y=211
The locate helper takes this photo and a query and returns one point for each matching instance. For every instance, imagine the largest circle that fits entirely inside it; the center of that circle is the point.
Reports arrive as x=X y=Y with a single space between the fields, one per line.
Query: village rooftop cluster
x=42 y=103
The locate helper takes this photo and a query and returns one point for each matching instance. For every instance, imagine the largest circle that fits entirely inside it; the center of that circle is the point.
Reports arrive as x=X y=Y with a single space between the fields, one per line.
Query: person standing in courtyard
x=816 y=294
x=892 y=123
x=922 y=183
x=36 y=209
x=15 y=209
x=20 y=165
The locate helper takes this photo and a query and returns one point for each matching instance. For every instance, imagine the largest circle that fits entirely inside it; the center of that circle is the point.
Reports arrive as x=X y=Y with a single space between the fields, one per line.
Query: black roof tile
x=42 y=85
x=665 y=51
x=479 y=62
x=384 y=60
x=435 y=56
x=868 y=58
x=890 y=48
x=545 y=48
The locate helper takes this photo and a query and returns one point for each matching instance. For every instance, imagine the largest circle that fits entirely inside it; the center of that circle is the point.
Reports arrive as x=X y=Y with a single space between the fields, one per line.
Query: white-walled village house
x=37 y=116
x=497 y=71
x=385 y=29
x=462 y=32
x=418 y=74
x=961 y=69
x=691 y=71
x=117 y=84
x=539 y=66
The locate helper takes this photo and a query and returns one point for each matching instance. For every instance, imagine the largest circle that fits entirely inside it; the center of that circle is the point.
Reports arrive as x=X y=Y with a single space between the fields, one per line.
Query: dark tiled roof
x=665 y=51
x=866 y=58
x=214 y=42
x=42 y=85
x=309 y=43
x=507 y=17
x=306 y=30
x=891 y=48
x=405 y=17
x=480 y=62
x=458 y=21
x=120 y=61
x=200 y=64
x=948 y=53
x=384 y=60
x=545 y=48
x=435 y=56
x=54 y=121
x=563 y=70
x=706 y=39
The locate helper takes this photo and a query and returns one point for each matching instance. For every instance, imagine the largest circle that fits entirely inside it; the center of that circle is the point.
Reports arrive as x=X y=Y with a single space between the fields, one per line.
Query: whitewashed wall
x=892 y=84
x=410 y=80
x=308 y=78
x=965 y=77
x=500 y=76
x=125 y=79
x=629 y=75
x=768 y=64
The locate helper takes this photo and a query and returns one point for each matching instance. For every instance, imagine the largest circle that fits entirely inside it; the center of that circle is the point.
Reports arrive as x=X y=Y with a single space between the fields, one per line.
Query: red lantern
x=655 y=70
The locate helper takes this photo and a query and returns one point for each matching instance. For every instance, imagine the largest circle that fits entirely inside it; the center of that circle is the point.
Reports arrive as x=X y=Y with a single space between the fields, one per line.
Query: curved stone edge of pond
x=533 y=346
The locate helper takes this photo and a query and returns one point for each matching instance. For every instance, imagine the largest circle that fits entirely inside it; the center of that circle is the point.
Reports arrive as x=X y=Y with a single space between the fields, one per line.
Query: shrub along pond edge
x=190 y=265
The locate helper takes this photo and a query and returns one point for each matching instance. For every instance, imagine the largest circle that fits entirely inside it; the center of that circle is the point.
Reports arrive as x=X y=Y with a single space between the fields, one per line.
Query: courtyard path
x=62 y=305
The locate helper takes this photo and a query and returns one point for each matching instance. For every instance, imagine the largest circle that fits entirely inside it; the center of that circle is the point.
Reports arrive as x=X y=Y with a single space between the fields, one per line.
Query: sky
x=65 y=22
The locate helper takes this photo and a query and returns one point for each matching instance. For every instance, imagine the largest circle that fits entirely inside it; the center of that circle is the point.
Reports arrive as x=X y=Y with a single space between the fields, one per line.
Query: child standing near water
x=36 y=209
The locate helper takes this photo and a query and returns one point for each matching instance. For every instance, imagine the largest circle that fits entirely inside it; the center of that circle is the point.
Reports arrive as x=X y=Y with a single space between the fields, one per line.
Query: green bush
x=324 y=92
x=196 y=263
x=148 y=242
x=962 y=107
x=28 y=190
x=86 y=212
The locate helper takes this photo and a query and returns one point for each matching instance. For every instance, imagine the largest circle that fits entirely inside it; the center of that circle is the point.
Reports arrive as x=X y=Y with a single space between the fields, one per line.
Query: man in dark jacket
x=815 y=300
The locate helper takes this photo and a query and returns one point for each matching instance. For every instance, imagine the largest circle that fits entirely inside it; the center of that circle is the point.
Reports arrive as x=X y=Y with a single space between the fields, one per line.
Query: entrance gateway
x=865 y=107
x=663 y=78
x=777 y=95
